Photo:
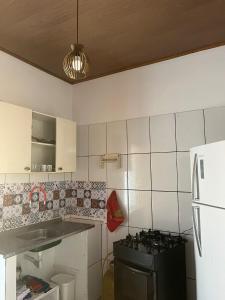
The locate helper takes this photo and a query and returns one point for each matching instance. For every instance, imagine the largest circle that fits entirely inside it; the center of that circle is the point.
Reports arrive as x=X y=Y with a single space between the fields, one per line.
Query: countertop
x=17 y=241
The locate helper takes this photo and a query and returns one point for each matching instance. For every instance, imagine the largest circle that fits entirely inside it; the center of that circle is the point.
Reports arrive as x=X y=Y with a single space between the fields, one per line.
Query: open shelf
x=43 y=141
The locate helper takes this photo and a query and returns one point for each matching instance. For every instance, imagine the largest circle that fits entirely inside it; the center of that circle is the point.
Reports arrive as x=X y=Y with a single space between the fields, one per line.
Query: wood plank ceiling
x=117 y=34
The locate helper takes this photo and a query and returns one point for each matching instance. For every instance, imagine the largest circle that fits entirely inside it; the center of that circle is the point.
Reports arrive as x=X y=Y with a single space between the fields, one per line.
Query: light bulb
x=77 y=63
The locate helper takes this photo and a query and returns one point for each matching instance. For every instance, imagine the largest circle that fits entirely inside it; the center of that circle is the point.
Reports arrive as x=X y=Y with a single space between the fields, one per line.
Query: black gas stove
x=150 y=266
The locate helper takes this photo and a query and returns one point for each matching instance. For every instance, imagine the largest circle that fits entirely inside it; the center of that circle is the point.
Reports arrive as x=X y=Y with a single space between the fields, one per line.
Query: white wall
x=189 y=82
x=25 y=85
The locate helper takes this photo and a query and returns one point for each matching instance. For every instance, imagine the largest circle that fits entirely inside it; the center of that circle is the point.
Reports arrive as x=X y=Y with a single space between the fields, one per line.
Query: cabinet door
x=15 y=138
x=65 y=145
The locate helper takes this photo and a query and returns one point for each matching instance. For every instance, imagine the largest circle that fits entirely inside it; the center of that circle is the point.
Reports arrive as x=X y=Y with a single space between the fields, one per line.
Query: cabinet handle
x=27 y=168
x=60 y=168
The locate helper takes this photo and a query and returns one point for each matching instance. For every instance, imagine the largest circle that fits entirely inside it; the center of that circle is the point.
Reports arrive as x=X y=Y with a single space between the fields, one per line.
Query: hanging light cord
x=77 y=20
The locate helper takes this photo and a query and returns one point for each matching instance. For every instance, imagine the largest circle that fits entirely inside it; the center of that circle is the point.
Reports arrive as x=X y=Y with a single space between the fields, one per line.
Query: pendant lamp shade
x=75 y=63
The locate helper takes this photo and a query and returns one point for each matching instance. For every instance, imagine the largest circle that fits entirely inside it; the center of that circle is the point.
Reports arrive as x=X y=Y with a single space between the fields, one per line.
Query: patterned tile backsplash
x=23 y=204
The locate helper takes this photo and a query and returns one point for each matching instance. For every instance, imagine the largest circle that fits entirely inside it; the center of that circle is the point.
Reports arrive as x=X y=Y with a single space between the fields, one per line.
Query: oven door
x=132 y=283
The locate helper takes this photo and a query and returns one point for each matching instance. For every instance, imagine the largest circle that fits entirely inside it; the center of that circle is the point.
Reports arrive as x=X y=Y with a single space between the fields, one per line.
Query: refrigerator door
x=209 y=240
x=208 y=174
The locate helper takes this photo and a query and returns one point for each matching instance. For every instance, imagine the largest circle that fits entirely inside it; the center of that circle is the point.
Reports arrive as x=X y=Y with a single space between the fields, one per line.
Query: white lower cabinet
x=69 y=257
x=94 y=258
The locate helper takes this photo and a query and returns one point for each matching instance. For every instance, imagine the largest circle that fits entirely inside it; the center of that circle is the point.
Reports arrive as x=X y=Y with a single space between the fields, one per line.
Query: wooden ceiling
x=117 y=34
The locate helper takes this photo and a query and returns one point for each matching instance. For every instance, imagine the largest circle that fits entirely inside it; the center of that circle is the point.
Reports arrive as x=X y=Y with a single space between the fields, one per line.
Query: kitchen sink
x=38 y=235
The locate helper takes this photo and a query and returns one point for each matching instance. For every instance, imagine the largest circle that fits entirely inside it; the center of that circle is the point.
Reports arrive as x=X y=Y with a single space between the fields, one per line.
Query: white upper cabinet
x=65 y=145
x=35 y=142
x=15 y=138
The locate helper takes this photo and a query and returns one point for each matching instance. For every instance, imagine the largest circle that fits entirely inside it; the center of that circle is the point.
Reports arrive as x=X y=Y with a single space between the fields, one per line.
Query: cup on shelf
x=35 y=168
x=43 y=168
x=49 y=168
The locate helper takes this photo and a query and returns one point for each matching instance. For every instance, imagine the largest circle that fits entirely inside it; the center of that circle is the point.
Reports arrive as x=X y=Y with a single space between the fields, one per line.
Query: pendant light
x=75 y=63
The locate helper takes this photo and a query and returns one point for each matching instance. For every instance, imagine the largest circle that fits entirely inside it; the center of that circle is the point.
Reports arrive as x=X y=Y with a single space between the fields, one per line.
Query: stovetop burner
x=152 y=241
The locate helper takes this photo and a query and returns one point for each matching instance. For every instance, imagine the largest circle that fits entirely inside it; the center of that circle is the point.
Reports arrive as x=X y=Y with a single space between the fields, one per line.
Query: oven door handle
x=138 y=271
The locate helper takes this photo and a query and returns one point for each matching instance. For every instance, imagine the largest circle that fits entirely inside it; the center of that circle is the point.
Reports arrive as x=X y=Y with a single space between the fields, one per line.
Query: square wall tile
x=184 y=171
x=165 y=211
x=68 y=176
x=122 y=196
x=81 y=173
x=82 y=140
x=164 y=171
x=139 y=172
x=38 y=177
x=162 y=131
x=120 y=233
x=96 y=171
x=185 y=212
x=215 y=124
x=97 y=139
x=117 y=137
x=190 y=129
x=190 y=257
x=17 y=178
x=2 y=178
x=56 y=177
x=140 y=212
x=138 y=135
x=117 y=174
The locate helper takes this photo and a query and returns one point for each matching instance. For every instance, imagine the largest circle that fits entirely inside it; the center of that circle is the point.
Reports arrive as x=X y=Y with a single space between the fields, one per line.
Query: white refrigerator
x=208 y=208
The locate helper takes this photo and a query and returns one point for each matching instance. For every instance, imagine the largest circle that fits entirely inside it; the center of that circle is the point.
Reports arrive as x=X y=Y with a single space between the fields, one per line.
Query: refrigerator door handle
x=197 y=227
x=195 y=179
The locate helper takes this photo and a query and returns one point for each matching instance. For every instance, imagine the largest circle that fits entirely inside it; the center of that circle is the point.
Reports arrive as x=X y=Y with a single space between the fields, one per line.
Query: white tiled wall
x=153 y=183
x=35 y=177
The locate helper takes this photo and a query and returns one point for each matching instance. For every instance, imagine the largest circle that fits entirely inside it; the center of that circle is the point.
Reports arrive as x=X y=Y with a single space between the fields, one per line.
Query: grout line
x=151 y=190
x=150 y=146
x=88 y=154
x=140 y=153
x=106 y=147
x=204 y=127
x=178 y=204
x=127 y=181
x=106 y=175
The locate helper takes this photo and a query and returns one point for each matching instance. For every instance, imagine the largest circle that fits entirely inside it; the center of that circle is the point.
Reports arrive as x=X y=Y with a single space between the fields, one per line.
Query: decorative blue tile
x=62 y=203
x=25 y=204
x=35 y=197
x=87 y=194
x=49 y=205
x=55 y=204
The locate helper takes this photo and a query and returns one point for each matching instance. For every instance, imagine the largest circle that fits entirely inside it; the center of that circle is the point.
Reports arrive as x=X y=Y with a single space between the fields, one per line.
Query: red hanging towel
x=114 y=213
